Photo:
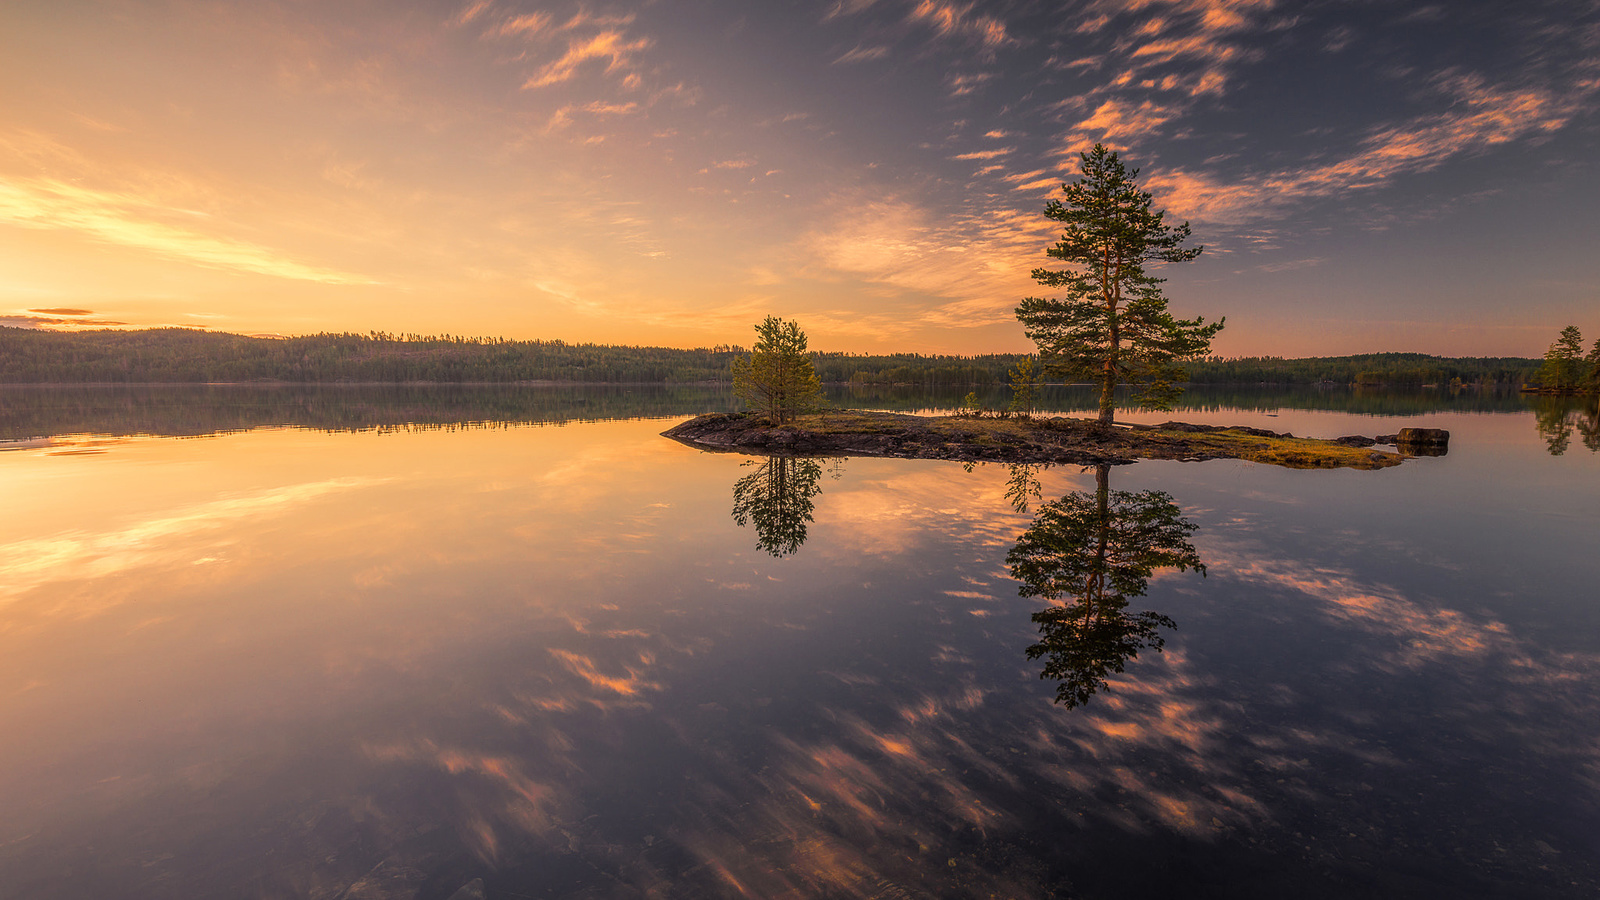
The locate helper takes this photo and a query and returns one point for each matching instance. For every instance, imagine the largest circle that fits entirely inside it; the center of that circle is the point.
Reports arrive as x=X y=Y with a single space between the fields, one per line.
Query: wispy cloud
x=966 y=83
x=959 y=21
x=525 y=25
x=615 y=48
x=54 y=322
x=984 y=154
x=961 y=270
x=130 y=220
x=1166 y=56
x=64 y=311
x=1480 y=118
x=472 y=11
x=862 y=54
x=1118 y=123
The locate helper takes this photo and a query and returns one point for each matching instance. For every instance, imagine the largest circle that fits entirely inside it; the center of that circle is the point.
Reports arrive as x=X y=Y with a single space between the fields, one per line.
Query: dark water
x=409 y=643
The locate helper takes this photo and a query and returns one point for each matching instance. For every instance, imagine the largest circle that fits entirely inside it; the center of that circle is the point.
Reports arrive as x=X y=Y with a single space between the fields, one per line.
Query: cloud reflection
x=164 y=539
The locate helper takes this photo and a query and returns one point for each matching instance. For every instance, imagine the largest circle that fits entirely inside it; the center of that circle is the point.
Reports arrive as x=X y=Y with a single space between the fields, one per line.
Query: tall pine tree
x=1112 y=326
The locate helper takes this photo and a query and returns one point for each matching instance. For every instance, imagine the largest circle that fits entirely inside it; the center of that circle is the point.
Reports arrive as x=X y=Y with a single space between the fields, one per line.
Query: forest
x=183 y=355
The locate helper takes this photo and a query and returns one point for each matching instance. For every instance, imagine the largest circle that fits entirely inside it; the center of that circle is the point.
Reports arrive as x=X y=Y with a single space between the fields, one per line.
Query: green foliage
x=1089 y=553
x=1564 y=370
x=778 y=377
x=777 y=499
x=1024 y=386
x=1113 y=325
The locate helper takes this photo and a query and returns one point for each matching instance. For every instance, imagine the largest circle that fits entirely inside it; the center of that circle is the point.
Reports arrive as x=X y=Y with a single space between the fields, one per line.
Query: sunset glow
x=1365 y=177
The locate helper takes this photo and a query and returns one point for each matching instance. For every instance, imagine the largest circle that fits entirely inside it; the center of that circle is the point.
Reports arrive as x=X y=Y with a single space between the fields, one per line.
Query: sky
x=1365 y=175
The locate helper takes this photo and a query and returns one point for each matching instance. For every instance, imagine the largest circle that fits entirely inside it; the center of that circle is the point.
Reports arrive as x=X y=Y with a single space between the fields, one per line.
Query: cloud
x=1117 y=123
x=128 y=220
x=472 y=11
x=525 y=26
x=1481 y=117
x=844 y=8
x=611 y=46
x=950 y=20
x=64 y=311
x=51 y=322
x=862 y=54
x=963 y=269
x=984 y=154
x=961 y=85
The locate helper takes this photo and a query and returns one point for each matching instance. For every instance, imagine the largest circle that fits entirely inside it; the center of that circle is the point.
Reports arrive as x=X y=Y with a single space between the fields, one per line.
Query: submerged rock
x=1423 y=441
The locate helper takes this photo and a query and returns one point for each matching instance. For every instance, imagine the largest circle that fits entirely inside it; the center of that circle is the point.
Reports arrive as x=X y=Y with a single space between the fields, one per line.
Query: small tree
x=1113 y=326
x=1562 y=362
x=778 y=377
x=1024 y=386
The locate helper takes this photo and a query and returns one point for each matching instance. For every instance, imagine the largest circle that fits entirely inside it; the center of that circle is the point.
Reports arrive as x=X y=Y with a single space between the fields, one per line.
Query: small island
x=1037 y=439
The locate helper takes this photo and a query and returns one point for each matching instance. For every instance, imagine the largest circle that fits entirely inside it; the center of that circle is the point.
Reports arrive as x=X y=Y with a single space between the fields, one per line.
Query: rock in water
x=472 y=890
x=1423 y=441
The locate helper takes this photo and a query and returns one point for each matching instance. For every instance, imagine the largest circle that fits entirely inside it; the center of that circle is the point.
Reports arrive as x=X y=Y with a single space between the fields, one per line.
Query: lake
x=510 y=642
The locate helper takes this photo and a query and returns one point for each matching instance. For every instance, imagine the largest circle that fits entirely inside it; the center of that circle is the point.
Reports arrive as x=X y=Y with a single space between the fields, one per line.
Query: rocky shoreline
x=1035 y=440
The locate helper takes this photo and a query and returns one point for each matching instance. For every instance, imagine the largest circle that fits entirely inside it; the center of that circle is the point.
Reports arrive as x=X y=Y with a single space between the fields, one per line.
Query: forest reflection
x=777 y=500
x=1557 y=417
x=1088 y=554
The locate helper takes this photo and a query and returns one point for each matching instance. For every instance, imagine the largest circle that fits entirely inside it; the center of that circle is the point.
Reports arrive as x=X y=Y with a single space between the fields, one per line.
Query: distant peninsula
x=1037 y=440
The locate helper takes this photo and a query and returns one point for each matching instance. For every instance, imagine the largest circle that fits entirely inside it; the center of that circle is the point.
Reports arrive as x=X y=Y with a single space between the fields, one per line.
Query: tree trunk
x=1108 y=379
x=1108 y=396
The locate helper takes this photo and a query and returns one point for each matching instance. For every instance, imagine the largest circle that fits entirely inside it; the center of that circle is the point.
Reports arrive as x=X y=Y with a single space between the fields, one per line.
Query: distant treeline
x=180 y=355
x=1369 y=369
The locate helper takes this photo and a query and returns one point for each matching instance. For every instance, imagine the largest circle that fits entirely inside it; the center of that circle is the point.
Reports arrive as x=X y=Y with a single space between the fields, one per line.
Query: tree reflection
x=1557 y=417
x=776 y=499
x=1023 y=486
x=1089 y=553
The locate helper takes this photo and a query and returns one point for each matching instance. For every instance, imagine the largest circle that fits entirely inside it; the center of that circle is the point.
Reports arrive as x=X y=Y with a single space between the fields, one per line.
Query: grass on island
x=1150 y=443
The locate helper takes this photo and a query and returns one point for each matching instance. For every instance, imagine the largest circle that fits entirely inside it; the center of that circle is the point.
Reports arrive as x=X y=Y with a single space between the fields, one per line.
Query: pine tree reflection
x=776 y=499
x=1023 y=487
x=1089 y=553
x=1555 y=418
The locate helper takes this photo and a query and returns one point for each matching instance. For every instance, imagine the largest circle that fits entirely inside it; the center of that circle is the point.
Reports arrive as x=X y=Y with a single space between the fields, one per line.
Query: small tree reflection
x=1088 y=554
x=776 y=499
x=1023 y=487
x=1556 y=417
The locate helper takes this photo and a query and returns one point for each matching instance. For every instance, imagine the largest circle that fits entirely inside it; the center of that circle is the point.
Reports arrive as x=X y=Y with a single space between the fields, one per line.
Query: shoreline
x=1028 y=440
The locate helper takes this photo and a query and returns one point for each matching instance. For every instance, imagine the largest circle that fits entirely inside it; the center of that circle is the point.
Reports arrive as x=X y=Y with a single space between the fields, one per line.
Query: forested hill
x=1368 y=368
x=180 y=355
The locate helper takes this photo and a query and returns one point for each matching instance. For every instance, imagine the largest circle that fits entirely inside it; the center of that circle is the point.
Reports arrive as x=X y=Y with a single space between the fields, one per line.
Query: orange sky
x=669 y=173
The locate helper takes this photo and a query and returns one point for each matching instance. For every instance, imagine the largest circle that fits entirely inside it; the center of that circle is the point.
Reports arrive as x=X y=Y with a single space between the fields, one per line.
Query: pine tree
x=778 y=377
x=1113 y=325
x=1562 y=362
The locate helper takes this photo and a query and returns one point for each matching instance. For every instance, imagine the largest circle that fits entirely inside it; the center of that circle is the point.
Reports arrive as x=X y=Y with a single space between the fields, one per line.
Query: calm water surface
x=431 y=643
